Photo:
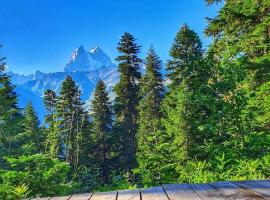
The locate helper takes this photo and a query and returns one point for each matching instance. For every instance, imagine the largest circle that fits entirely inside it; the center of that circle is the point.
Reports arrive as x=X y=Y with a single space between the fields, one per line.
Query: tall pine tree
x=126 y=100
x=52 y=140
x=187 y=105
x=10 y=116
x=70 y=116
x=101 y=114
x=152 y=93
x=186 y=52
x=32 y=135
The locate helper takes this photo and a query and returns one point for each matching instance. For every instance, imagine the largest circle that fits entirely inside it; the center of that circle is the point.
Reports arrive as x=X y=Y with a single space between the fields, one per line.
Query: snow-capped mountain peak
x=82 y=60
x=79 y=60
x=78 y=52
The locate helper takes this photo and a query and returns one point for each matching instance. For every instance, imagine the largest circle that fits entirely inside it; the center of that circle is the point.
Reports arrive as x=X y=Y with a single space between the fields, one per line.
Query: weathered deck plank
x=44 y=198
x=104 y=196
x=180 y=192
x=231 y=191
x=154 y=193
x=240 y=190
x=206 y=191
x=128 y=195
x=61 y=198
x=261 y=187
x=86 y=196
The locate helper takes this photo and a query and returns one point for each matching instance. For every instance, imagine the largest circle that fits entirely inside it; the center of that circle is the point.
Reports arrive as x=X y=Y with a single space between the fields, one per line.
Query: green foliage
x=259 y=105
x=224 y=169
x=187 y=106
x=148 y=137
x=21 y=191
x=9 y=192
x=186 y=53
x=212 y=124
x=241 y=73
x=52 y=143
x=209 y=2
x=10 y=116
x=119 y=182
x=35 y=175
x=101 y=136
x=247 y=32
x=31 y=132
x=126 y=100
x=70 y=118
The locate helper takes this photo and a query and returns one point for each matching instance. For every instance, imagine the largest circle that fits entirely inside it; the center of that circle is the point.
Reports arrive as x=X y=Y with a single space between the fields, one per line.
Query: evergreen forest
x=207 y=120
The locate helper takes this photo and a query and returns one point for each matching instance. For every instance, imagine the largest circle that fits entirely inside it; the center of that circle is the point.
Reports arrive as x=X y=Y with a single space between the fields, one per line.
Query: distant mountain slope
x=85 y=67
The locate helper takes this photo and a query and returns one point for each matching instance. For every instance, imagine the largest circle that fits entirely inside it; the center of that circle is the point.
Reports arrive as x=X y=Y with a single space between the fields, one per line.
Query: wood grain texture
x=180 y=192
x=61 y=198
x=104 y=196
x=85 y=196
x=206 y=191
x=154 y=193
x=129 y=195
x=240 y=190
x=231 y=191
x=261 y=187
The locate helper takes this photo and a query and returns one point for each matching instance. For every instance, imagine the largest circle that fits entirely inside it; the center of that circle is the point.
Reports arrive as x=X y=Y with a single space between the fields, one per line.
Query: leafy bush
x=45 y=177
x=119 y=182
x=9 y=192
x=222 y=168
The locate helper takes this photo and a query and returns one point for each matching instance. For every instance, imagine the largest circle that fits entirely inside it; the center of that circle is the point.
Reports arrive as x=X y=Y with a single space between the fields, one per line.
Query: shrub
x=45 y=176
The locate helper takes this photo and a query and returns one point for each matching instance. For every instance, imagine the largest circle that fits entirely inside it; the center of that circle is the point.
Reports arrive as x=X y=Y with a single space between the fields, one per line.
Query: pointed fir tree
x=126 y=100
x=101 y=114
x=86 y=153
x=186 y=52
x=187 y=106
x=70 y=116
x=52 y=139
x=152 y=93
x=10 y=117
x=32 y=135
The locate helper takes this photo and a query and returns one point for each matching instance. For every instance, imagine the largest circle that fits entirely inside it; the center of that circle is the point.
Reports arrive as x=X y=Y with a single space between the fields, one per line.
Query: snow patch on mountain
x=82 y=60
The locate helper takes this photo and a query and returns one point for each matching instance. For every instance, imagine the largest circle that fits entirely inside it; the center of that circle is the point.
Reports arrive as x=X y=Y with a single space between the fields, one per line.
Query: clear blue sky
x=41 y=34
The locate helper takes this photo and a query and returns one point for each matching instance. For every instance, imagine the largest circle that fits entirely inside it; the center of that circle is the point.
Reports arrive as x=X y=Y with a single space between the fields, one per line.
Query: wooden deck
x=245 y=190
